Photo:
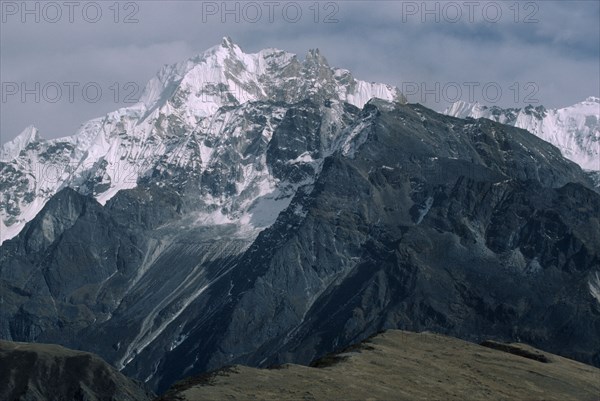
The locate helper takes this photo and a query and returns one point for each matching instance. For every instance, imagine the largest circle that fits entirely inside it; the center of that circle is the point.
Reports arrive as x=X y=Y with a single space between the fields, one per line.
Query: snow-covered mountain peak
x=11 y=149
x=590 y=106
x=193 y=119
x=29 y=134
x=221 y=75
x=462 y=109
x=225 y=75
x=575 y=129
x=227 y=43
x=314 y=56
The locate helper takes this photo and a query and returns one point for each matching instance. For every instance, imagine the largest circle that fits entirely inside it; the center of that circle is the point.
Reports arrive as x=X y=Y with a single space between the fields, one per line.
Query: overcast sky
x=544 y=52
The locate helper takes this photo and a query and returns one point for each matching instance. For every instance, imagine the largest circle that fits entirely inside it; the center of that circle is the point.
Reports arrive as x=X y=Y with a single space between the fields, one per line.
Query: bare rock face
x=41 y=372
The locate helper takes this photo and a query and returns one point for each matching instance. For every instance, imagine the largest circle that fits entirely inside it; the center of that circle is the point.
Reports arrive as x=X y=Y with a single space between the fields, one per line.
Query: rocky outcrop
x=42 y=372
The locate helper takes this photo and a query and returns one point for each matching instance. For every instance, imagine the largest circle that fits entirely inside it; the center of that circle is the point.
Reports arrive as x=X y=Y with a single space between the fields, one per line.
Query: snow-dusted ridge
x=185 y=113
x=575 y=130
x=11 y=149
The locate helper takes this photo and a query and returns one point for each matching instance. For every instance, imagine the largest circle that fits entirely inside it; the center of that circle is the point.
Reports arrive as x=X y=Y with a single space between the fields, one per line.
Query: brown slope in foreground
x=44 y=372
x=399 y=365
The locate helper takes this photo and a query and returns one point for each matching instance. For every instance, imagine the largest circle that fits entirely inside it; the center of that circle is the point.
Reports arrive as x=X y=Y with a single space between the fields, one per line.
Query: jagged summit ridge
x=188 y=118
x=224 y=76
x=575 y=129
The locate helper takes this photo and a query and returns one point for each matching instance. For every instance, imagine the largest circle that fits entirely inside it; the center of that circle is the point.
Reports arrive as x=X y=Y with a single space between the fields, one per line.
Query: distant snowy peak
x=463 y=109
x=11 y=150
x=226 y=76
x=575 y=130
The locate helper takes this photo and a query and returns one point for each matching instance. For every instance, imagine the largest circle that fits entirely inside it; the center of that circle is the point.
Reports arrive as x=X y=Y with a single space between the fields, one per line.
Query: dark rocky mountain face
x=413 y=220
x=42 y=372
